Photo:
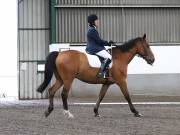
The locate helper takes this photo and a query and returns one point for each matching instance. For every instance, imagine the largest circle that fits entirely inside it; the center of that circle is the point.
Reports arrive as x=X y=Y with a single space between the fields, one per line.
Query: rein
x=131 y=52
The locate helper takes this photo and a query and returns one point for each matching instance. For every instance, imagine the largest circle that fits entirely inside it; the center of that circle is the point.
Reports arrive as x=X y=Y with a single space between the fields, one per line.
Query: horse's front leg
x=123 y=86
x=102 y=93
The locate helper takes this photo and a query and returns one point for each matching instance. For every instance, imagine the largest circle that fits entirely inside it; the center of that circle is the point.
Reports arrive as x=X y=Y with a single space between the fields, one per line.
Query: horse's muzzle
x=150 y=61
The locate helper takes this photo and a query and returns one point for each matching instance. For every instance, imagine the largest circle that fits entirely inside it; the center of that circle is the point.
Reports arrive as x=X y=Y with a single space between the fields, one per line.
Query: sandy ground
x=27 y=118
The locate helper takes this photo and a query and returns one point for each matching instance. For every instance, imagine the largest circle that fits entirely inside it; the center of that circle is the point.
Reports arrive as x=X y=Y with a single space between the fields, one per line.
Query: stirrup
x=103 y=74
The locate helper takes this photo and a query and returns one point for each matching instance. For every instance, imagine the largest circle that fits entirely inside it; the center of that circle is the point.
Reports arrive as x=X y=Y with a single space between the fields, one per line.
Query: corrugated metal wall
x=119 y=2
x=121 y=20
x=162 y=25
x=72 y=24
x=33 y=41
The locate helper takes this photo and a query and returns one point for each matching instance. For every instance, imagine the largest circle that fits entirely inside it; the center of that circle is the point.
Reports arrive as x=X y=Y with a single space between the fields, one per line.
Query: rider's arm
x=95 y=36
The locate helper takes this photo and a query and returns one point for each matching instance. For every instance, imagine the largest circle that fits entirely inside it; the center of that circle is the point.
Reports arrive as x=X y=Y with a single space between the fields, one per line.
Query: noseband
x=144 y=56
x=139 y=55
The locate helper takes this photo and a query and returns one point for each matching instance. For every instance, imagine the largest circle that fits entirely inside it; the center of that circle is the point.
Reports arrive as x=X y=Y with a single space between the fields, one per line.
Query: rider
x=95 y=45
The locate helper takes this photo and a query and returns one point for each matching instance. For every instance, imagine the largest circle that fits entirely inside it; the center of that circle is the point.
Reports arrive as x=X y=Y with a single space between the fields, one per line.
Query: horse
x=72 y=64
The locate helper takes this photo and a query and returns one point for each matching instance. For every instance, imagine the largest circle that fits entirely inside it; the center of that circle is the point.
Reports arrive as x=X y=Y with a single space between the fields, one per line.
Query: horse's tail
x=50 y=67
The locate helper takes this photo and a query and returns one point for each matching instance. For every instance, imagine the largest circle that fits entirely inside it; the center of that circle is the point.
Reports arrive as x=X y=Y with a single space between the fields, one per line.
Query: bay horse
x=72 y=64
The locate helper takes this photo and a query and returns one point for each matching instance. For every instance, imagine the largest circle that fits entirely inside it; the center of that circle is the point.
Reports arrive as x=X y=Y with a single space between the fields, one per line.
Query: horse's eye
x=147 y=45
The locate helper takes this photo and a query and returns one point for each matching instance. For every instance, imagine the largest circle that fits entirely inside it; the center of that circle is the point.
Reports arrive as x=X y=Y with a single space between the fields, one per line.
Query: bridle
x=134 y=53
x=144 y=55
x=139 y=55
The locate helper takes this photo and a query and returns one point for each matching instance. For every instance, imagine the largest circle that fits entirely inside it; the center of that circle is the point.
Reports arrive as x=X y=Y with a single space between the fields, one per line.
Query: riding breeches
x=104 y=54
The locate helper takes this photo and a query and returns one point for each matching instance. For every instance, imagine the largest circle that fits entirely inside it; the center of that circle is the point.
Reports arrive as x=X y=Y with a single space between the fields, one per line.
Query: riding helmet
x=92 y=18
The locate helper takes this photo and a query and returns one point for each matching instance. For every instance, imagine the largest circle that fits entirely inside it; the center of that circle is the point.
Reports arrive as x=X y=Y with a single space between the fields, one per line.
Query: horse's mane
x=128 y=45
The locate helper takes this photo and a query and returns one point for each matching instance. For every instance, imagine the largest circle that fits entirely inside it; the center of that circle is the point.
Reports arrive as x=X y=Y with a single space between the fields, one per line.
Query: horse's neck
x=125 y=57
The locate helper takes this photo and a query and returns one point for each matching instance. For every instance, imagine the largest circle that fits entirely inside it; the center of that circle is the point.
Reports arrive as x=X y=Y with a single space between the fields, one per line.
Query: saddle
x=95 y=61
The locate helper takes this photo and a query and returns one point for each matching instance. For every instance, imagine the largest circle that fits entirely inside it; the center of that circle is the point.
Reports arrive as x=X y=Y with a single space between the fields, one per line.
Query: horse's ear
x=144 y=36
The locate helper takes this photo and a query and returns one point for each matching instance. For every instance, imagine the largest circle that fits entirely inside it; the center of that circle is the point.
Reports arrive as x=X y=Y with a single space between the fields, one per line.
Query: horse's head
x=144 y=50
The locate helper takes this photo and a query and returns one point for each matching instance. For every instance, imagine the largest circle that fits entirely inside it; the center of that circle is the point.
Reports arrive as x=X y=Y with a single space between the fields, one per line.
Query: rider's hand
x=111 y=42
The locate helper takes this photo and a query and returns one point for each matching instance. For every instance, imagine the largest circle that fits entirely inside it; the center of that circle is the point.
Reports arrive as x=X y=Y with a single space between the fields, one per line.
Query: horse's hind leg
x=52 y=91
x=100 y=98
x=64 y=95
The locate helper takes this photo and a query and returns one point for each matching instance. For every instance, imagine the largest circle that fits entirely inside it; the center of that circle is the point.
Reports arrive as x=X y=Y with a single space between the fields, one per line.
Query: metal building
x=43 y=22
x=33 y=41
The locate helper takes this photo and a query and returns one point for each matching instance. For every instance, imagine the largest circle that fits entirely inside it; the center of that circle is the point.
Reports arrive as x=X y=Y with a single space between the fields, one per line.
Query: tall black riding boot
x=103 y=69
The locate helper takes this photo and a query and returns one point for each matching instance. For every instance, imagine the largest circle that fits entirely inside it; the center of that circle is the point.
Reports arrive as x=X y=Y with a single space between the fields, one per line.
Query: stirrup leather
x=103 y=72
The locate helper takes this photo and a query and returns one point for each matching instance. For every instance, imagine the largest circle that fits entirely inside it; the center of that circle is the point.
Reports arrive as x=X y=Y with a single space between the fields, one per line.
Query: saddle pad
x=94 y=61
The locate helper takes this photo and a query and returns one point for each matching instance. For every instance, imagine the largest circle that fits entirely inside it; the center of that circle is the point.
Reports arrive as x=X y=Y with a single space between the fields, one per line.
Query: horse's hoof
x=97 y=115
x=68 y=114
x=71 y=116
x=138 y=115
x=46 y=113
